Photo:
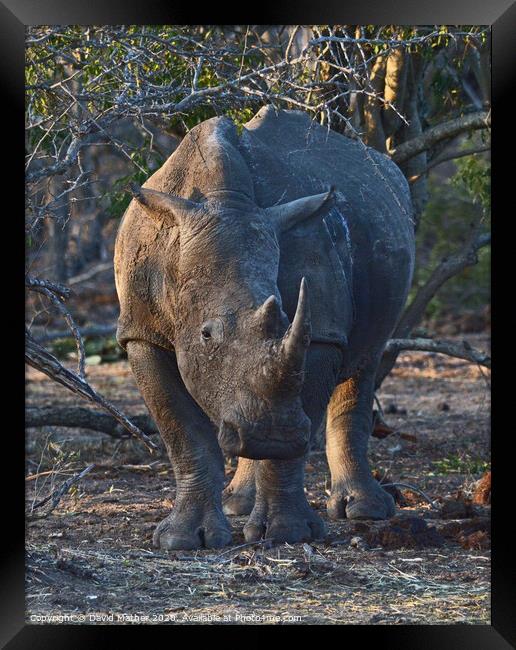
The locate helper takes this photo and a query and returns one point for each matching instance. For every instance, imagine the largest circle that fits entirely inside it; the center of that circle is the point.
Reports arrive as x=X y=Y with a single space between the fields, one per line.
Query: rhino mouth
x=259 y=443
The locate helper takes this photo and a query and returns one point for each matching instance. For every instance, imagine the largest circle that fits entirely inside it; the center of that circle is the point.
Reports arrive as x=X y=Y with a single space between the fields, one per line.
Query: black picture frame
x=501 y=16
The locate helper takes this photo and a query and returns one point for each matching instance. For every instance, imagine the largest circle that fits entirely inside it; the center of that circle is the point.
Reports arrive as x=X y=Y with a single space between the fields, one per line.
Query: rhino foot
x=238 y=497
x=284 y=522
x=237 y=502
x=192 y=527
x=370 y=503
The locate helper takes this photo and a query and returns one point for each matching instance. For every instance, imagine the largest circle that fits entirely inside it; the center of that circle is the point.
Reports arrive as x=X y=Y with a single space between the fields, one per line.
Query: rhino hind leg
x=238 y=497
x=281 y=512
x=196 y=519
x=355 y=494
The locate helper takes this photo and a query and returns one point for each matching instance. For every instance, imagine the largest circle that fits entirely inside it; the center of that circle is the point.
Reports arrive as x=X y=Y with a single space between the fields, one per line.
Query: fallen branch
x=463 y=351
x=33 y=477
x=84 y=418
x=261 y=542
x=42 y=360
x=406 y=486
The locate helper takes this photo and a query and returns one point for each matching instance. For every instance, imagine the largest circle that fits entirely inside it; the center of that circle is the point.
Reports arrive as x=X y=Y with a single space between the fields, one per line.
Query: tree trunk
x=417 y=163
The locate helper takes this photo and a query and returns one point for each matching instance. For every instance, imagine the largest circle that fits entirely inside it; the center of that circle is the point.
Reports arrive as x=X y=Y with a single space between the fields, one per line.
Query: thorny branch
x=56 y=296
x=233 y=76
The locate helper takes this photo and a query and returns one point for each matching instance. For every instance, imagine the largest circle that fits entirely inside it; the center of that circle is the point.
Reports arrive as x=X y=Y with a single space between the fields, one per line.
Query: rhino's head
x=239 y=356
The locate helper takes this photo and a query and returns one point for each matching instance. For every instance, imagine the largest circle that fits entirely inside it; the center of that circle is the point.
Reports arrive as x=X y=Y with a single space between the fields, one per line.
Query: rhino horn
x=297 y=338
x=268 y=316
x=287 y=215
x=164 y=206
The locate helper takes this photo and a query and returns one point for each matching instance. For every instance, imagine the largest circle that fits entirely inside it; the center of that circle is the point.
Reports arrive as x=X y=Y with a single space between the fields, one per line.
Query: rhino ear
x=164 y=206
x=288 y=215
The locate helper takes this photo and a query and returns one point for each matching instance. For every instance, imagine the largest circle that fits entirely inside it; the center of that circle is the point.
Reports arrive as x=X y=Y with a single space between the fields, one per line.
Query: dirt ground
x=91 y=559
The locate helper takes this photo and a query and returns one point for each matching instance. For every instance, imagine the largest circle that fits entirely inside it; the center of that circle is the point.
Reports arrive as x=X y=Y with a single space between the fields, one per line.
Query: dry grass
x=340 y=585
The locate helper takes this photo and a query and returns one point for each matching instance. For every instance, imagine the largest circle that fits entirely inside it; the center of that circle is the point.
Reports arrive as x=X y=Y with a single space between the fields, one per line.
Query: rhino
x=260 y=272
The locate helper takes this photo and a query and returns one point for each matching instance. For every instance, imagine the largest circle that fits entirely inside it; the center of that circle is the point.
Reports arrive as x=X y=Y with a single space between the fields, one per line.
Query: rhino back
x=359 y=258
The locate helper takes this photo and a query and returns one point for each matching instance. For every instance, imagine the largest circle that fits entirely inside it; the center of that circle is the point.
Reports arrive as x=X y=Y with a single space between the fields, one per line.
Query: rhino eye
x=212 y=331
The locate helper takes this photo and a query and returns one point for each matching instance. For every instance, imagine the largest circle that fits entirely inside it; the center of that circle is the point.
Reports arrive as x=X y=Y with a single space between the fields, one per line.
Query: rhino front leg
x=355 y=494
x=238 y=497
x=197 y=519
x=281 y=512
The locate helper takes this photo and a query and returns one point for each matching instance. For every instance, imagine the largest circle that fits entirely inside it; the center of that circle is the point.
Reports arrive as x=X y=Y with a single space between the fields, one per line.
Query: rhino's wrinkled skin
x=253 y=298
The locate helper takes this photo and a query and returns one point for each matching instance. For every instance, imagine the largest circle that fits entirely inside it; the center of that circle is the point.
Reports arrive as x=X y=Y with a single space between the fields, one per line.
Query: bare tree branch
x=448 y=267
x=59 y=289
x=56 y=300
x=463 y=351
x=414 y=312
x=444 y=131
x=451 y=156
x=90 y=273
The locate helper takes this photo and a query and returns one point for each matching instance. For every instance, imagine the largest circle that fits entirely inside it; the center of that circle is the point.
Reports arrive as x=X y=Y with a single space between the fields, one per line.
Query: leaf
x=94 y=360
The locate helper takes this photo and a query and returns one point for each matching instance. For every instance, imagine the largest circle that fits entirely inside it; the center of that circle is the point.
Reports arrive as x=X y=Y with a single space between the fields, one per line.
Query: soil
x=91 y=559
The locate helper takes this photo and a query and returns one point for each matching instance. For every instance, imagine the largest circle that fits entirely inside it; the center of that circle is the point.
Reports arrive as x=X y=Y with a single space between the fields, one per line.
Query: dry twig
x=57 y=494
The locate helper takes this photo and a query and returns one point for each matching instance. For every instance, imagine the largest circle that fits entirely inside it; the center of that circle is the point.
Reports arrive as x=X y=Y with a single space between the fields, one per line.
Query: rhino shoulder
x=144 y=263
